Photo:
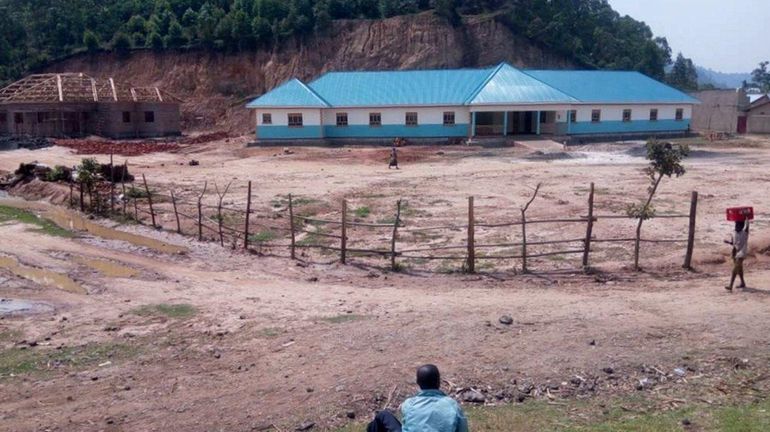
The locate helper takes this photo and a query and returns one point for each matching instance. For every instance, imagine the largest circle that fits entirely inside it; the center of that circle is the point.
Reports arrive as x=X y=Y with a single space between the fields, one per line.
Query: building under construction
x=76 y=105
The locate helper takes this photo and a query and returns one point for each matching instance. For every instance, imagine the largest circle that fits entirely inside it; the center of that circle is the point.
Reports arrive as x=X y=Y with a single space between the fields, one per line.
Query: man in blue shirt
x=429 y=411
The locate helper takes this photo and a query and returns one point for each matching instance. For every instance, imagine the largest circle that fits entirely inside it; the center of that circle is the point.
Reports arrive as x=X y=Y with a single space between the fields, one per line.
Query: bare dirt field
x=136 y=329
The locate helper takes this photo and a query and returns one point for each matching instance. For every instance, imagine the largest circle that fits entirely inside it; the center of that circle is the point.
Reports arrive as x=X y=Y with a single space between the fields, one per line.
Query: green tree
x=683 y=74
x=155 y=41
x=761 y=77
x=448 y=10
x=91 y=41
x=665 y=161
x=175 y=37
x=121 y=44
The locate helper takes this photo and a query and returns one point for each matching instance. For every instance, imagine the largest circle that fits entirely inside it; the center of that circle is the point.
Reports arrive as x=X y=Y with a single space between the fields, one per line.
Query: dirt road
x=203 y=338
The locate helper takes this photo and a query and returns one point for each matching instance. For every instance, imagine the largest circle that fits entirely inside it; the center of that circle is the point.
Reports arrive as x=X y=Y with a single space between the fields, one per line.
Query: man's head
x=739 y=226
x=428 y=377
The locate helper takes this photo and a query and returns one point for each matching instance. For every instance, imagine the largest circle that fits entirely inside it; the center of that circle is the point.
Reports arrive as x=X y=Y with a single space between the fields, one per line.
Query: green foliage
x=683 y=74
x=761 y=77
x=88 y=171
x=666 y=158
x=58 y=173
x=18 y=361
x=180 y=311
x=136 y=193
x=362 y=211
x=45 y=226
x=263 y=236
x=33 y=35
x=665 y=161
x=121 y=43
x=91 y=41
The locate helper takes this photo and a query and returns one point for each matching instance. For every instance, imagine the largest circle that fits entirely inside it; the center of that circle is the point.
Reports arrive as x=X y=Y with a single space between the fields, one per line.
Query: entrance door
x=522 y=123
x=742 y=124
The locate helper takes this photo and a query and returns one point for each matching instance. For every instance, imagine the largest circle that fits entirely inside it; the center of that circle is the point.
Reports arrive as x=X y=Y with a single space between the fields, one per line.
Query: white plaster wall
x=397 y=116
x=638 y=112
x=310 y=117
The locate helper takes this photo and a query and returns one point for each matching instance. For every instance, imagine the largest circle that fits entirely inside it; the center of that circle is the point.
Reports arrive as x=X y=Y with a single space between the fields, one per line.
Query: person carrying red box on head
x=740 y=242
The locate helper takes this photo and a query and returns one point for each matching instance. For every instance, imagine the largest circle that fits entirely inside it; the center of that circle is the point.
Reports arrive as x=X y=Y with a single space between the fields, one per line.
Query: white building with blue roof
x=465 y=103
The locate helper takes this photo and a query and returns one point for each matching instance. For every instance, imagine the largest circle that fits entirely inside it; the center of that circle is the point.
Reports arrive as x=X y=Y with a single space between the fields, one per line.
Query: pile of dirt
x=30 y=143
x=122 y=148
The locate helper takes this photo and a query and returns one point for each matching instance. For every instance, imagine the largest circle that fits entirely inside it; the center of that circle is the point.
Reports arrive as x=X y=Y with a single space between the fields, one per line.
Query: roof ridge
x=484 y=83
x=313 y=92
x=551 y=86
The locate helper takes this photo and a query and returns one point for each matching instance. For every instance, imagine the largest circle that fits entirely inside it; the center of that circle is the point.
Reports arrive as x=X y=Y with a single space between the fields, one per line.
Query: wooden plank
x=149 y=200
x=176 y=214
x=691 y=231
x=344 y=229
x=291 y=227
x=393 y=265
x=589 y=227
x=248 y=213
x=59 y=87
x=471 y=264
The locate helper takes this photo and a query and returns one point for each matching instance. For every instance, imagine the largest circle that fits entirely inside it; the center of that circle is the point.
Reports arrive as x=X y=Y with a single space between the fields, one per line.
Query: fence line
x=89 y=197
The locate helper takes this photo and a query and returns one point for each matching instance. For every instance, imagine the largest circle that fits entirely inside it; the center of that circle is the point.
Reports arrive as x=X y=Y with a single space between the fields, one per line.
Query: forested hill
x=35 y=33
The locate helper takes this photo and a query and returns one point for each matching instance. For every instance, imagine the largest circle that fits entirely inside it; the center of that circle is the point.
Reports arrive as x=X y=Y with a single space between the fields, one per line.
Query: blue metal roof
x=508 y=85
x=500 y=85
x=291 y=94
x=399 y=88
x=611 y=86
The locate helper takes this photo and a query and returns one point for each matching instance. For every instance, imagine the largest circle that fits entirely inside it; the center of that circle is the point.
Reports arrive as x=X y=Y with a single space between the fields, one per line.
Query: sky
x=724 y=35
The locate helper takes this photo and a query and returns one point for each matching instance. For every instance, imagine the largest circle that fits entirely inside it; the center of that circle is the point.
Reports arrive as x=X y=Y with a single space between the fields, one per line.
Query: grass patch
x=263 y=236
x=579 y=416
x=180 y=311
x=18 y=361
x=9 y=335
x=45 y=226
x=362 y=211
x=270 y=332
x=342 y=318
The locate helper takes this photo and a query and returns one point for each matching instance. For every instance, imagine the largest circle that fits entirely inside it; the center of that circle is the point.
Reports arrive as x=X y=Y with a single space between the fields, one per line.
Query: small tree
x=121 y=43
x=665 y=161
x=91 y=41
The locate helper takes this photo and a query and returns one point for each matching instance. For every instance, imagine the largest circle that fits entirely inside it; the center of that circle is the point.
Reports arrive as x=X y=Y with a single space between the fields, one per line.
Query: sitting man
x=429 y=411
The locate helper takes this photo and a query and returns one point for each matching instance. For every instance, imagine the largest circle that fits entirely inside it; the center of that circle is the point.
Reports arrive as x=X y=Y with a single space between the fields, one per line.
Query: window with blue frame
x=449 y=118
x=596 y=116
x=654 y=114
x=375 y=119
x=573 y=116
x=267 y=119
x=679 y=114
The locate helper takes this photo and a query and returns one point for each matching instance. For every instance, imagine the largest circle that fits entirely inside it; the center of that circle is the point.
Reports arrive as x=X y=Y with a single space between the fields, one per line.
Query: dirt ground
x=174 y=334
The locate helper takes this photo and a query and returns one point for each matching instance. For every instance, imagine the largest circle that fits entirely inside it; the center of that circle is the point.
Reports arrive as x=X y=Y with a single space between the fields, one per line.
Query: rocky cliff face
x=215 y=86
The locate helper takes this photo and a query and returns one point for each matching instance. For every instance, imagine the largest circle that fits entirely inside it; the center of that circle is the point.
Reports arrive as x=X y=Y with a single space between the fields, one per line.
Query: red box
x=739 y=214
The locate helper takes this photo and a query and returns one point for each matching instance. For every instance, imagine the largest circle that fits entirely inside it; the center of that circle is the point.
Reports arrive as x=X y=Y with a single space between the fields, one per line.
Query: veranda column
x=505 y=123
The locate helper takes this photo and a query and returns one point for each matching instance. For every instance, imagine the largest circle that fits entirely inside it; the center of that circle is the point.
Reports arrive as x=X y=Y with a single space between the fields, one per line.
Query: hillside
x=215 y=86
x=721 y=79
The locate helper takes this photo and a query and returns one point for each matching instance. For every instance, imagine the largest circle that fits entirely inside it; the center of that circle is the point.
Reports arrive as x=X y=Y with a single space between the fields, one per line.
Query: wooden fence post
x=176 y=213
x=200 y=211
x=691 y=231
x=524 y=241
x=344 y=234
x=82 y=198
x=112 y=186
x=589 y=227
x=248 y=214
x=123 y=185
x=393 y=265
x=149 y=200
x=291 y=227
x=471 y=264
x=72 y=198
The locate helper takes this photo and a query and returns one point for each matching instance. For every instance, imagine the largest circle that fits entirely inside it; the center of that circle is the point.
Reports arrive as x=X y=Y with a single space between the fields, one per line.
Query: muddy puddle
x=23 y=307
x=41 y=276
x=107 y=268
x=76 y=222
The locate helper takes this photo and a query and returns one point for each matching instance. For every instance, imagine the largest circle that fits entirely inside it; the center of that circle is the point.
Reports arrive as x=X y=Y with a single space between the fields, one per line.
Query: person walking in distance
x=393 y=158
x=740 y=243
